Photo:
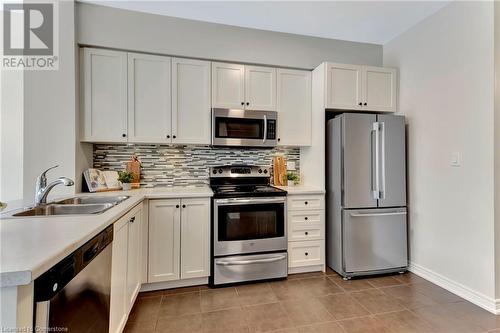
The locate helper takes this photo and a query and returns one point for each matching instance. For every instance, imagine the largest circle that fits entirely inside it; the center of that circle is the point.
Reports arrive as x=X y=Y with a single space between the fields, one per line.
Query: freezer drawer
x=374 y=239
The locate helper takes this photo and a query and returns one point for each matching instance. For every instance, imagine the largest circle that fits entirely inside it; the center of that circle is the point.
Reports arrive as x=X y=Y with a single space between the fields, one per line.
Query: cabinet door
x=260 y=88
x=134 y=258
x=343 y=87
x=294 y=107
x=149 y=99
x=195 y=238
x=164 y=240
x=119 y=303
x=379 y=89
x=104 y=95
x=228 y=82
x=191 y=113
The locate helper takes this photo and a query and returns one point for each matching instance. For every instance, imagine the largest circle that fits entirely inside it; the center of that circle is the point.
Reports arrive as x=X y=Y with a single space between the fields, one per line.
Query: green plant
x=293 y=176
x=125 y=176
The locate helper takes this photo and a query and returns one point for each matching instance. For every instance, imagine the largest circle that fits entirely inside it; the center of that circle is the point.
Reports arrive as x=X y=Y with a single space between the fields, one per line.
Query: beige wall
x=128 y=30
x=49 y=113
x=446 y=93
x=497 y=147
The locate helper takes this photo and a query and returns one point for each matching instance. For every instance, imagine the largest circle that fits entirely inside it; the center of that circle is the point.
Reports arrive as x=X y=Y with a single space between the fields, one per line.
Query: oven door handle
x=249 y=262
x=221 y=202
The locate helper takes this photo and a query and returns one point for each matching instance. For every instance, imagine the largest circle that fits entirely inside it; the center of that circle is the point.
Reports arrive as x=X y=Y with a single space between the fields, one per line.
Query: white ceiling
x=362 y=21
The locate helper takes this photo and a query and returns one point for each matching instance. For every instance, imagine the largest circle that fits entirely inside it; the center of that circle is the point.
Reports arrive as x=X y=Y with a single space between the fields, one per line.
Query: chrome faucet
x=42 y=189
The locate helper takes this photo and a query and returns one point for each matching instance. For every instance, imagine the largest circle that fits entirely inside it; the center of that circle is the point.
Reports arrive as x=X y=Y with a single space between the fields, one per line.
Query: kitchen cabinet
x=237 y=86
x=379 y=88
x=179 y=239
x=294 y=107
x=306 y=232
x=134 y=257
x=143 y=98
x=361 y=88
x=228 y=85
x=149 y=99
x=191 y=110
x=104 y=101
x=125 y=267
x=260 y=88
x=195 y=238
x=164 y=240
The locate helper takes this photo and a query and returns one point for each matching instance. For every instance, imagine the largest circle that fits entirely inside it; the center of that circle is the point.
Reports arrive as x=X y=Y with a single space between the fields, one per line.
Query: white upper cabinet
x=260 y=88
x=361 y=88
x=294 y=107
x=164 y=240
x=237 y=86
x=379 y=89
x=149 y=102
x=195 y=238
x=228 y=85
x=104 y=95
x=343 y=86
x=191 y=113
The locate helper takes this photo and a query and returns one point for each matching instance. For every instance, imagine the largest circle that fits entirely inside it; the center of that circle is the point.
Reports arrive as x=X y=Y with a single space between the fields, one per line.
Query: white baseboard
x=306 y=269
x=479 y=299
x=174 y=284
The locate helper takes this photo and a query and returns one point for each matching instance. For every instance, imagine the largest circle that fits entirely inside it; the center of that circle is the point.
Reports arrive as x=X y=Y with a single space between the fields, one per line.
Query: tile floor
x=314 y=302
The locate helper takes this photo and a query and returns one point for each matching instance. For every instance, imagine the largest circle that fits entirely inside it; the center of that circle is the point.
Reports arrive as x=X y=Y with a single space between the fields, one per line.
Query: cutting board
x=279 y=170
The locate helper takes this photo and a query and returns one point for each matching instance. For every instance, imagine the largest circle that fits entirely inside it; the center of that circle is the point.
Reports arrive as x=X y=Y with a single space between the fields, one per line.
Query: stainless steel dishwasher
x=74 y=295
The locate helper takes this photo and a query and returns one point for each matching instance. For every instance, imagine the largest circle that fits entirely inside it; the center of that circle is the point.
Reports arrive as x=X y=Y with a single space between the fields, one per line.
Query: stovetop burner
x=242 y=181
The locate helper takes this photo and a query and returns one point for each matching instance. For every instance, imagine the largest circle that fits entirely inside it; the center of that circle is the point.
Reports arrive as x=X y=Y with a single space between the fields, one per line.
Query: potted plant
x=292 y=177
x=125 y=178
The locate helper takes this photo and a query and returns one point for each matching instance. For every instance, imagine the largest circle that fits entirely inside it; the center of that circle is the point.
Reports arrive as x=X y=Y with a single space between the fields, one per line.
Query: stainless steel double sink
x=84 y=205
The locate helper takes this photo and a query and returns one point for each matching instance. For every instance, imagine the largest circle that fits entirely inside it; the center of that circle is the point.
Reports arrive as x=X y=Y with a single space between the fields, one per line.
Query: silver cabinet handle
x=377 y=214
x=250 y=262
x=265 y=129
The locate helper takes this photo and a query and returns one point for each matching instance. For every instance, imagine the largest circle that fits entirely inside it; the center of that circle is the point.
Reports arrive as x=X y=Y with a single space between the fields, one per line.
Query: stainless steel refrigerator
x=366 y=194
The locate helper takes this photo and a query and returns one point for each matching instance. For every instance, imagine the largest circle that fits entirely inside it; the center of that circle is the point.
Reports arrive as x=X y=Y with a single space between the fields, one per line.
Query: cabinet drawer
x=306 y=217
x=302 y=233
x=302 y=202
x=305 y=253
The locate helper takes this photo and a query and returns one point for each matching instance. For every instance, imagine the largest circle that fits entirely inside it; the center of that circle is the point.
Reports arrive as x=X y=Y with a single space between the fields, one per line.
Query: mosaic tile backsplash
x=164 y=165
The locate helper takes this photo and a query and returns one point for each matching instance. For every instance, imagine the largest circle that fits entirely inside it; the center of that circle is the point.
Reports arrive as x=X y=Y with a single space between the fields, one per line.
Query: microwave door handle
x=265 y=129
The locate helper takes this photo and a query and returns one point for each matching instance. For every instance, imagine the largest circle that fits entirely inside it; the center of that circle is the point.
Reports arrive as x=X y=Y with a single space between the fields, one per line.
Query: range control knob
x=260 y=170
x=214 y=172
x=265 y=170
x=220 y=170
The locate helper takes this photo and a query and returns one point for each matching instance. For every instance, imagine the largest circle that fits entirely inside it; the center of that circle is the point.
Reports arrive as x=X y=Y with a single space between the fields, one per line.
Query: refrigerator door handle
x=376 y=191
x=382 y=160
x=376 y=214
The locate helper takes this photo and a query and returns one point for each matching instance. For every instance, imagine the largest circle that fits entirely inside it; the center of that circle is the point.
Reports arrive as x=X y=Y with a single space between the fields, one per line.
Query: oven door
x=249 y=225
x=231 y=127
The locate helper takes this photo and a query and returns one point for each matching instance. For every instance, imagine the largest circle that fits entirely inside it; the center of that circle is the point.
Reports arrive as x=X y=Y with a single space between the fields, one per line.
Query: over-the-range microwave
x=244 y=128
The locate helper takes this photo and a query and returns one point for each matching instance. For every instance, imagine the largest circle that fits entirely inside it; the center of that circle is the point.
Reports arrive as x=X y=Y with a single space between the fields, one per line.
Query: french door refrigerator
x=366 y=194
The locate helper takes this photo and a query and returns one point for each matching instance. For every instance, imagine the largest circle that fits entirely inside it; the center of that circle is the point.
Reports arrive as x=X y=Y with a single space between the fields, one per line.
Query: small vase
x=126 y=186
x=291 y=183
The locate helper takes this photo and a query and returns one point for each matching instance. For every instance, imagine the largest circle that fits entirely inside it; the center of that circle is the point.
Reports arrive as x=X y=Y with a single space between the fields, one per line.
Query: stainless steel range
x=248 y=226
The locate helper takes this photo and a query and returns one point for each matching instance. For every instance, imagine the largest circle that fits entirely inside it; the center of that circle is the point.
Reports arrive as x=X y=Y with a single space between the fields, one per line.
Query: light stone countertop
x=29 y=246
x=302 y=189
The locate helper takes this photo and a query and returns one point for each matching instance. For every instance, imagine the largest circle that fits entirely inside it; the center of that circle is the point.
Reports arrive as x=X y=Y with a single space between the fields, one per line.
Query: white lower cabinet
x=179 y=239
x=306 y=232
x=125 y=267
